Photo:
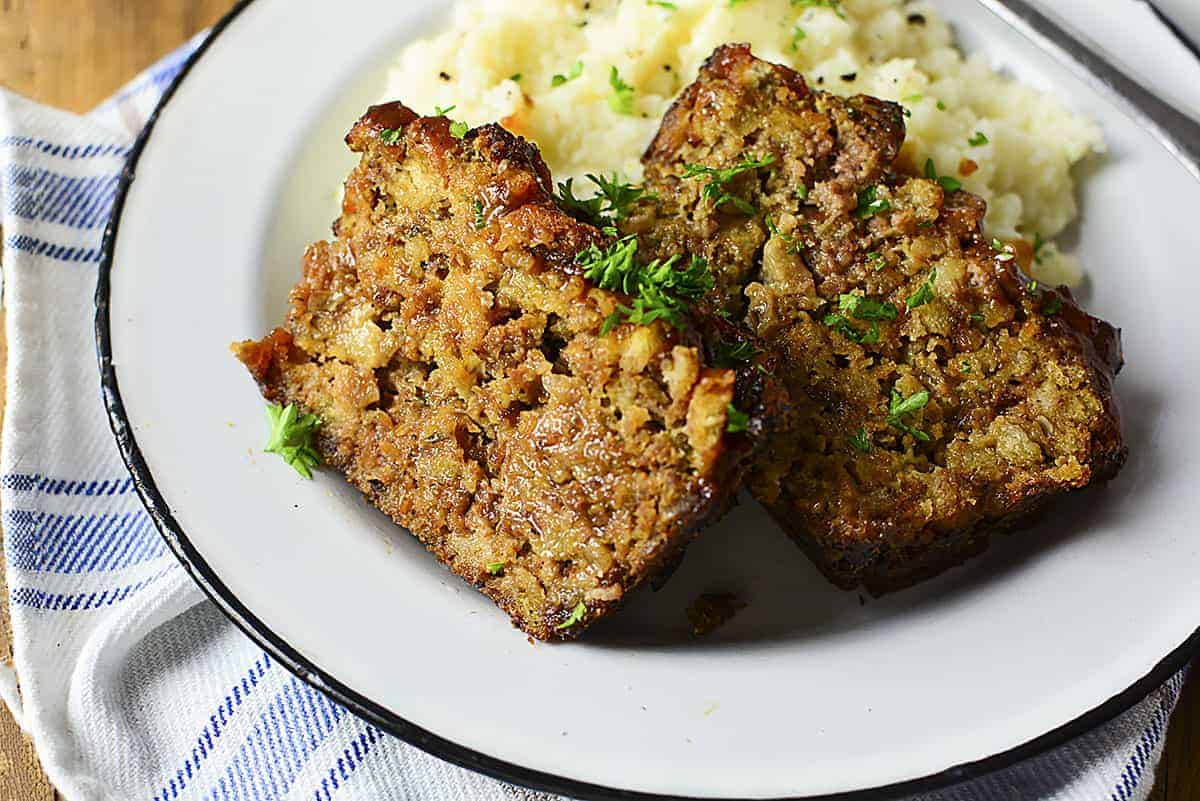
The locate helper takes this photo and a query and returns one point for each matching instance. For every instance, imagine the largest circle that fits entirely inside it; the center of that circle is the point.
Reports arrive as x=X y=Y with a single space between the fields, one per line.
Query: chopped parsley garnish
x=1007 y=253
x=291 y=437
x=1039 y=247
x=941 y=106
x=877 y=259
x=663 y=4
x=495 y=568
x=1052 y=306
x=978 y=140
x=661 y=290
x=945 y=181
x=901 y=406
x=737 y=420
x=913 y=99
x=480 y=221
x=612 y=203
x=515 y=77
x=860 y=440
x=802 y=193
x=790 y=241
x=621 y=99
x=858 y=307
x=833 y=5
x=870 y=203
x=570 y=75
x=459 y=130
x=924 y=293
x=442 y=112
x=978 y=317
x=717 y=191
x=731 y=355
x=577 y=615
x=843 y=326
x=391 y=136
x=798 y=36
x=864 y=308
x=965 y=366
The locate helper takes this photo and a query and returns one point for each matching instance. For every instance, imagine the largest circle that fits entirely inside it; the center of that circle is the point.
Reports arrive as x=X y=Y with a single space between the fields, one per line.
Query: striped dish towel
x=131 y=684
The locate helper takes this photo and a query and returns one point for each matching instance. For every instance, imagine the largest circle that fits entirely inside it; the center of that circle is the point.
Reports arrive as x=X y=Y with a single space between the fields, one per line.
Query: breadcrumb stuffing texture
x=467 y=384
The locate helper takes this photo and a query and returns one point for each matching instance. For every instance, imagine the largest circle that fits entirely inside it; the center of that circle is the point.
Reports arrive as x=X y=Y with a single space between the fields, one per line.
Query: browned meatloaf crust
x=453 y=351
x=874 y=287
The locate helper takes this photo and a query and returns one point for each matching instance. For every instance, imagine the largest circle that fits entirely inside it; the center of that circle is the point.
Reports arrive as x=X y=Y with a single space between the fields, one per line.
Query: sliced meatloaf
x=939 y=394
x=467 y=383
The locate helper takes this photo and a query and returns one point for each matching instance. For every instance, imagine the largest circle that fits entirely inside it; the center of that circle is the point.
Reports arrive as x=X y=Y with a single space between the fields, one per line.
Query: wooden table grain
x=73 y=54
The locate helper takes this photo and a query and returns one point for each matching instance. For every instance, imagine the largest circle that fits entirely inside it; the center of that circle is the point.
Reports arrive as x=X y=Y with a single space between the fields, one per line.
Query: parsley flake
x=870 y=203
x=663 y=4
x=978 y=140
x=737 y=420
x=1039 y=247
x=864 y=308
x=291 y=437
x=1052 y=306
x=717 y=191
x=798 y=36
x=577 y=615
x=661 y=290
x=860 y=440
x=515 y=77
x=495 y=568
x=1007 y=253
x=945 y=181
x=833 y=5
x=391 y=136
x=901 y=406
x=924 y=294
x=843 y=326
x=574 y=72
x=621 y=99
x=442 y=112
x=480 y=221
x=459 y=130
x=732 y=355
x=612 y=203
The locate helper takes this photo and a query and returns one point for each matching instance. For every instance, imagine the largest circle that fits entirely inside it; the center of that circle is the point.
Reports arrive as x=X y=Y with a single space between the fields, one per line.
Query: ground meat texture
x=1019 y=379
x=453 y=352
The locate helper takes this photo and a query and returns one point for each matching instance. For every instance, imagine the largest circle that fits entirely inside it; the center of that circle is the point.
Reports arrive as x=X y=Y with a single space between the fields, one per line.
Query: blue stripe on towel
x=349 y=761
x=293 y=725
x=218 y=722
x=44 y=600
x=38 y=483
x=40 y=247
x=97 y=543
x=59 y=150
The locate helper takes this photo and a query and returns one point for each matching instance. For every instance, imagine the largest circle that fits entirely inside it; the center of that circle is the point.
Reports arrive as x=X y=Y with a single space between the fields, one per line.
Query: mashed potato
x=545 y=69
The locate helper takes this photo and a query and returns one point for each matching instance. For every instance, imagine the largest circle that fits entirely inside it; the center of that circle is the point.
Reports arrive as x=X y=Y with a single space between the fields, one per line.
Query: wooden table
x=75 y=53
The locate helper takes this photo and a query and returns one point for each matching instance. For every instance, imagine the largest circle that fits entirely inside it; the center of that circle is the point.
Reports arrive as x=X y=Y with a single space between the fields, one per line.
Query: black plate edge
x=397 y=726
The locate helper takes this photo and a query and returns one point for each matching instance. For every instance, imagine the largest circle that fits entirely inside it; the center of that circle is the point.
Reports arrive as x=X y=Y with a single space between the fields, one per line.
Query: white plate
x=808 y=692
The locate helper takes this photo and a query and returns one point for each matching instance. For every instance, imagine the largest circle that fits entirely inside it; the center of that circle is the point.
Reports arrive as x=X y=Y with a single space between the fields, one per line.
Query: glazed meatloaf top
x=939 y=393
x=466 y=381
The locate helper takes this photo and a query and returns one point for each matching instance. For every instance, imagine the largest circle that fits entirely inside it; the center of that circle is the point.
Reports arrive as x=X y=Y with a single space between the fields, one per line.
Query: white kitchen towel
x=131 y=684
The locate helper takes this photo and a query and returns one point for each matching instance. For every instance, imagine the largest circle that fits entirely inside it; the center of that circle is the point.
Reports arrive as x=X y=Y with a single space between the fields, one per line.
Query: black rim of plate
x=428 y=741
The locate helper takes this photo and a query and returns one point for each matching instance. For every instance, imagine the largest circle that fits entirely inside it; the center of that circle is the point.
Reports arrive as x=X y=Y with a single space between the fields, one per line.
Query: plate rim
x=245 y=620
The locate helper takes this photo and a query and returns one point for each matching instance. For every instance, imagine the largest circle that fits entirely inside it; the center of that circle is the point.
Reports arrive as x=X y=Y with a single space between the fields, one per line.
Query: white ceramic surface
x=809 y=691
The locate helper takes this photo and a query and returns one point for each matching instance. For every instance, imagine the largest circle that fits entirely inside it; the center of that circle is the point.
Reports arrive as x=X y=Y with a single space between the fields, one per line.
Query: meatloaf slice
x=940 y=395
x=454 y=353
